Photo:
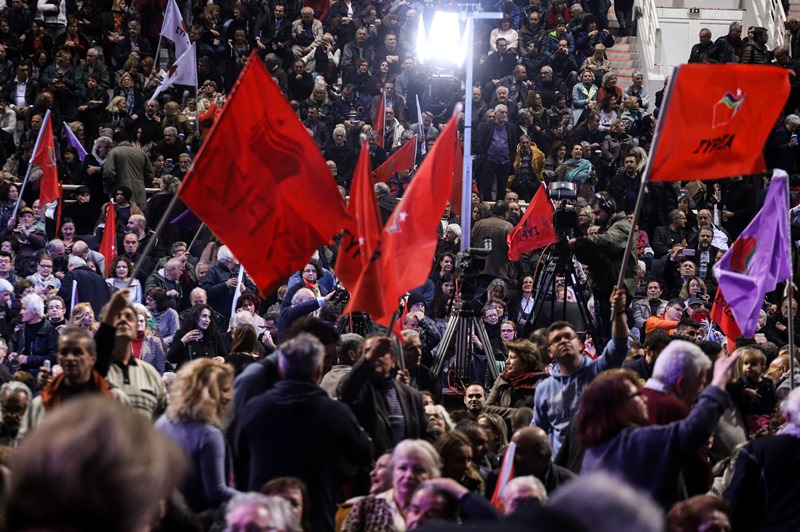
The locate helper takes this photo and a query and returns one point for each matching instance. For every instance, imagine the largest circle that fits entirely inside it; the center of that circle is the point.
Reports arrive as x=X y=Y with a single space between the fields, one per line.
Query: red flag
x=401 y=159
x=379 y=121
x=108 y=246
x=717 y=119
x=260 y=183
x=408 y=241
x=458 y=178
x=535 y=229
x=361 y=237
x=722 y=315
x=44 y=156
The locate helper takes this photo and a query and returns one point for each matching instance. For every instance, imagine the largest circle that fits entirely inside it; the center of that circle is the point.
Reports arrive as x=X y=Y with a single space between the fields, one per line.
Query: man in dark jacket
x=91 y=287
x=35 y=340
x=221 y=280
x=495 y=146
x=389 y=411
x=316 y=431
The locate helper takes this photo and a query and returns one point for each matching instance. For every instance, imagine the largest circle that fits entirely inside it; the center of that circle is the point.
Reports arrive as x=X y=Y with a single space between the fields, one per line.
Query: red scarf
x=526 y=380
x=136 y=345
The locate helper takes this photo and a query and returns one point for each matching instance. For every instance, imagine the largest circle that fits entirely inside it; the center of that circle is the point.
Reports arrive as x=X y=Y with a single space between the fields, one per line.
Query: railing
x=648 y=33
x=768 y=14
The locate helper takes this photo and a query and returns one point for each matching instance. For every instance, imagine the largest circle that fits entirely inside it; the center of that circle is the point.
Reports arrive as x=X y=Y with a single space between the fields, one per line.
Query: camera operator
x=603 y=252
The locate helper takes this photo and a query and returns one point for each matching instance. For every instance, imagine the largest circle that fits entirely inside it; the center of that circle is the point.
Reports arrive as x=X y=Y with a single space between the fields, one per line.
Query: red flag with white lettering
x=716 y=121
x=260 y=183
x=535 y=229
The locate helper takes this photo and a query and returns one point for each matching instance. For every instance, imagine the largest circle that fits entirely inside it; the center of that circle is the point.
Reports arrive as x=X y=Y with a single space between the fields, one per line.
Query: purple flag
x=73 y=141
x=759 y=258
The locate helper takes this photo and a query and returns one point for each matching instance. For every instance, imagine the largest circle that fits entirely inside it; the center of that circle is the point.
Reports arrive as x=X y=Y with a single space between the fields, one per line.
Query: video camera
x=470 y=264
x=565 y=217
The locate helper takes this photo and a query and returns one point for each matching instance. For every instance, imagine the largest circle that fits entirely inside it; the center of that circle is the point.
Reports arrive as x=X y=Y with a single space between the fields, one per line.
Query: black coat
x=92 y=288
x=315 y=433
x=483 y=139
x=359 y=392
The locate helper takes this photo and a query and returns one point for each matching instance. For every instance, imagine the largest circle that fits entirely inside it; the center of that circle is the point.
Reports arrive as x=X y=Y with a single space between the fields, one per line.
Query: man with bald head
x=304 y=303
x=137 y=224
x=533 y=457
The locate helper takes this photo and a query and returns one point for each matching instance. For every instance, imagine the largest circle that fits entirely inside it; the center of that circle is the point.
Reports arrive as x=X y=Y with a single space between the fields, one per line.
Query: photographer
x=603 y=252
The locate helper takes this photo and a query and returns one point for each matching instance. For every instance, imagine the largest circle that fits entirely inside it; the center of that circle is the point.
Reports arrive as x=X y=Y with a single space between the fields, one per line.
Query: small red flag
x=361 y=237
x=44 y=156
x=458 y=178
x=402 y=159
x=717 y=119
x=379 y=121
x=408 y=241
x=260 y=183
x=108 y=245
x=535 y=229
x=722 y=315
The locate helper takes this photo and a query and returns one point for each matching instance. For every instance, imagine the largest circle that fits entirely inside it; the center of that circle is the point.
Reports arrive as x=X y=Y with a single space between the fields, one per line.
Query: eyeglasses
x=506 y=330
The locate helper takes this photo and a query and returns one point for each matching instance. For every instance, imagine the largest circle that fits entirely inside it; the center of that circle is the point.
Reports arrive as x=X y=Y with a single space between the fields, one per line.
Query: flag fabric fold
x=44 y=156
x=759 y=258
x=722 y=315
x=379 y=120
x=360 y=240
x=260 y=183
x=182 y=72
x=108 y=244
x=408 y=241
x=174 y=28
x=716 y=121
x=535 y=229
x=73 y=141
x=402 y=159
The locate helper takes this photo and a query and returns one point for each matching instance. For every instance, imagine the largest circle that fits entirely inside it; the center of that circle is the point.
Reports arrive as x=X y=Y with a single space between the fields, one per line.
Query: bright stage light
x=444 y=42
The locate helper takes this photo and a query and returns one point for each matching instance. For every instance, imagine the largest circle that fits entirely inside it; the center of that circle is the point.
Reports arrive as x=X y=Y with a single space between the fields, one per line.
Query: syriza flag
x=182 y=72
x=716 y=119
x=174 y=28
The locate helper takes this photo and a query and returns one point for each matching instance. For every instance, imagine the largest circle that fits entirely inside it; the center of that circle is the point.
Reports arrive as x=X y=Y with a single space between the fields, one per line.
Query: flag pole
x=790 y=325
x=30 y=163
x=646 y=177
x=158 y=50
x=197 y=234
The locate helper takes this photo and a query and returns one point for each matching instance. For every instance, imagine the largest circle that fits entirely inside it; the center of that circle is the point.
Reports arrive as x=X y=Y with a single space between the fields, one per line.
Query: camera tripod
x=456 y=346
x=358 y=322
x=558 y=264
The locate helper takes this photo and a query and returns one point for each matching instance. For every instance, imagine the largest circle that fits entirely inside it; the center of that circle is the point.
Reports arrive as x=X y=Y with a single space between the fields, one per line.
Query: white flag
x=182 y=72
x=174 y=28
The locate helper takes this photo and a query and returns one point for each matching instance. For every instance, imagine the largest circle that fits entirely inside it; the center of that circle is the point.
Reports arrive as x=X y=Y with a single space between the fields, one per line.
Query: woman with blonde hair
x=199 y=400
x=82 y=316
x=116 y=115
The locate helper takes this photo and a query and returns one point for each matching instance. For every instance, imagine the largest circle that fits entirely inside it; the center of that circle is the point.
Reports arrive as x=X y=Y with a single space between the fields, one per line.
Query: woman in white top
x=121 y=269
x=506 y=32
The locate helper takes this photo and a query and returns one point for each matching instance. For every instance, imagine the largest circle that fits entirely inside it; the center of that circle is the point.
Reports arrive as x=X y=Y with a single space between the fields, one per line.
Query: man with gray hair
x=521 y=491
x=14 y=400
x=255 y=511
x=495 y=147
x=316 y=431
x=169 y=278
x=91 y=286
x=34 y=339
x=679 y=376
x=220 y=283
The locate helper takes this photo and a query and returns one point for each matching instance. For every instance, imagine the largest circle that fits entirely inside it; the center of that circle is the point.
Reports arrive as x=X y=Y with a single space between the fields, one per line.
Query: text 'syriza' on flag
x=759 y=258
x=535 y=229
x=717 y=119
x=260 y=183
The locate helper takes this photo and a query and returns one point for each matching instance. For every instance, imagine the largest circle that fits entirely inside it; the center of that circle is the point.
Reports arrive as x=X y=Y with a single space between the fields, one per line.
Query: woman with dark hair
x=612 y=423
x=520 y=307
x=310 y=275
x=197 y=338
x=120 y=274
x=67 y=234
x=557 y=156
x=295 y=492
x=73 y=41
x=515 y=387
x=244 y=348
x=445 y=263
x=158 y=303
x=441 y=306
x=9 y=193
x=123 y=206
x=69 y=166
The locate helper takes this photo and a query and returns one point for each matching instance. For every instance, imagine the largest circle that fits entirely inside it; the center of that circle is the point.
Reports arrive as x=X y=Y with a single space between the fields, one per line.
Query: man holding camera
x=603 y=252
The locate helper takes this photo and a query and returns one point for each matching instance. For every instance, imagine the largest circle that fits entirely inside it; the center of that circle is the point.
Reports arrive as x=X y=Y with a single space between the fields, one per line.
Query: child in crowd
x=754 y=394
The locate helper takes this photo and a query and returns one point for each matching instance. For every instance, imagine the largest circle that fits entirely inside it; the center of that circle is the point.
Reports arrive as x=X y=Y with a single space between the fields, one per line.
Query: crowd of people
x=158 y=389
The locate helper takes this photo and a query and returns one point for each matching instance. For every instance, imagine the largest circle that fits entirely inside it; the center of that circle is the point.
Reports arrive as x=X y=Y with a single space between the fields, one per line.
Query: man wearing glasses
x=558 y=397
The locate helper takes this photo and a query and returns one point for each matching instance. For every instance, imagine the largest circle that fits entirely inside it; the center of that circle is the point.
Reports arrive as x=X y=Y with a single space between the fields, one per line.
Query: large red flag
x=722 y=314
x=458 y=178
x=716 y=121
x=401 y=159
x=261 y=184
x=408 y=241
x=44 y=156
x=535 y=229
x=108 y=245
x=361 y=237
x=379 y=121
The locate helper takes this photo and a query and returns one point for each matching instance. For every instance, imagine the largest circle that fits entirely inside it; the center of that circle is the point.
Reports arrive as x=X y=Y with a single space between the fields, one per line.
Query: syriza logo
x=727 y=108
x=722 y=114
